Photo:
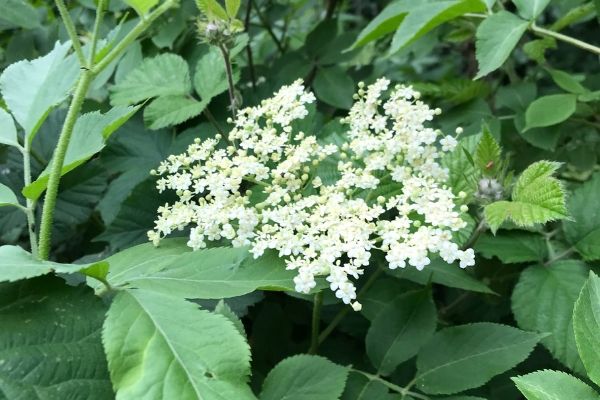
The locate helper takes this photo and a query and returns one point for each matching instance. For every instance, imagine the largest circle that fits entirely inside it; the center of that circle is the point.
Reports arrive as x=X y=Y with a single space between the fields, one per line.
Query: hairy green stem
x=68 y=22
x=230 y=85
x=83 y=84
x=316 y=320
x=30 y=210
x=96 y=31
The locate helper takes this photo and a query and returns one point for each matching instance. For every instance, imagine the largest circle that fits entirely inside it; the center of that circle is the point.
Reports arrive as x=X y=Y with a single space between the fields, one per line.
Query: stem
x=132 y=35
x=344 y=311
x=249 y=47
x=211 y=118
x=57 y=162
x=66 y=17
x=559 y=256
x=316 y=319
x=96 y=31
x=481 y=227
x=30 y=210
x=567 y=39
x=230 y=84
x=398 y=389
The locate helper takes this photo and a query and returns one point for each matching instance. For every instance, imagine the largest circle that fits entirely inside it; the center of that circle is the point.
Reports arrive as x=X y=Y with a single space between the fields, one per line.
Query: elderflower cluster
x=265 y=188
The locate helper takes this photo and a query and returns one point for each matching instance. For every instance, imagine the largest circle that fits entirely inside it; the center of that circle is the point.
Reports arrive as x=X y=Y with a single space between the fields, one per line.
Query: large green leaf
x=513 y=247
x=32 y=88
x=537 y=198
x=7 y=197
x=467 y=356
x=583 y=231
x=171 y=110
x=50 y=346
x=305 y=377
x=141 y=6
x=16 y=264
x=8 y=132
x=19 y=13
x=586 y=323
x=400 y=329
x=543 y=301
x=550 y=110
x=531 y=9
x=497 y=36
x=164 y=347
x=214 y=273
x=425 y=16
x=89 y=137
x=210 y=76
x=163 y=75
x=333 y=86
x=553 y=385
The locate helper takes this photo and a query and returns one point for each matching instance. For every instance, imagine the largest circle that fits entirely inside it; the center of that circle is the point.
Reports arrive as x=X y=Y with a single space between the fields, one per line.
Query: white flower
x=448 y=143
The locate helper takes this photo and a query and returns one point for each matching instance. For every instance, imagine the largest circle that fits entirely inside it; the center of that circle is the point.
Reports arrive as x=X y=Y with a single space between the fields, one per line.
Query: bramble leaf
x=586 y=323
x=488 y=154
x=583 y=232
x=171 y=110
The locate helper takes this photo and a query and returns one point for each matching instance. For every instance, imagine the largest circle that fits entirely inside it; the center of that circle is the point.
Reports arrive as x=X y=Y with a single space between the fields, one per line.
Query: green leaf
x=359 y=387
x=163 y=75
x=232 y=7
x=583 y=231
x=214 y=273
x=171 y=110
x=531 y=9
x=210 y=76
x=305 y=377
x=550 y=110
x=89 y=137
x=333 y=86
x=226 y=311
x=543 y=301
x=8 y=132
x=400 y=329
x=50 y=343
x=32 y=88
x=488 y=154
x=141 y=6
x=161 y=346
x=460 y=166
x=442 y=273
x=497 y=36
x=553 y=385
x=513 y=247
x=7 y=197
x=566 y=81
x=19 y=13
x=586 y=323
x=467 y=356
x=516 y=96
x=212 y=9
x=423 y=18
x=537 y=198
x=16 y=264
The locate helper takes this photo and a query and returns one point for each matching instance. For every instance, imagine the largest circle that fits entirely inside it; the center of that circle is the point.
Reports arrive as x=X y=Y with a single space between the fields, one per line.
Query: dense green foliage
x=96 y=93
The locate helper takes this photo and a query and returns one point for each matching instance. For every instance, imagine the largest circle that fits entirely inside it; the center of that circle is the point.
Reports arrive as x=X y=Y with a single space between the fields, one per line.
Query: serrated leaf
x=359 y=387
x=164 y=75
x=16 y=264
x=467 y=356
x=171 y=110
x=553 y=385
x=497 y=36
x=141 y=6
x=487 y=156
x=232 y=7
x=583 y=232
x=305 y=377
x=50 y=342
x=586 y=324
x=543 y=301
x=8 y=132
x=531 y=9
x=425 y=16
x=210 y=76
x=226 y=311
x=212 y=9
x=88 y=138
x=32 y=88
x=7 y=197
x=400 y=329
x=461 y=168
x=334 y=86
x=161 y=346
x=550 y=110
x=513 y=247
x=215 y=273
x=537 y=198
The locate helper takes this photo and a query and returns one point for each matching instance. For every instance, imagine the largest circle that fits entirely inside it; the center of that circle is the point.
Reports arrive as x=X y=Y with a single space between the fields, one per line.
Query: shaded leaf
x=586 y=323
x=583 y=231
x=553 y=385
x=550 y=110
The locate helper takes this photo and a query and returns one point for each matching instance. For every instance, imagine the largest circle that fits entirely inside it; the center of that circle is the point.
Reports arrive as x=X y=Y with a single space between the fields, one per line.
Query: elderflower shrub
x=263 y=190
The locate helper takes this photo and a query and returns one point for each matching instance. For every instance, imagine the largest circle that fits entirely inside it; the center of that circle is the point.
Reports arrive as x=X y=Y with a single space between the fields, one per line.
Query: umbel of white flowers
x=321 y=229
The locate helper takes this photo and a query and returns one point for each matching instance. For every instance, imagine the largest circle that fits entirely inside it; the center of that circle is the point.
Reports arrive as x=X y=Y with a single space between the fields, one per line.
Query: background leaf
x=531 y=9
x=583 y=231
x=553 y=385
x=8 y=132
x=171 y=110
x=550 y=110
x=586 y=323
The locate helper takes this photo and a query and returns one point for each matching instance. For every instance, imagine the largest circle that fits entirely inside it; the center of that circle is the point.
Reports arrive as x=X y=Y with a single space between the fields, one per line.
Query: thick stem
x=230 y=85
x=567 y=39
x=57 y=162
x=30 y=211
x=66 y=18
x=96 y=31
x=316 y=320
